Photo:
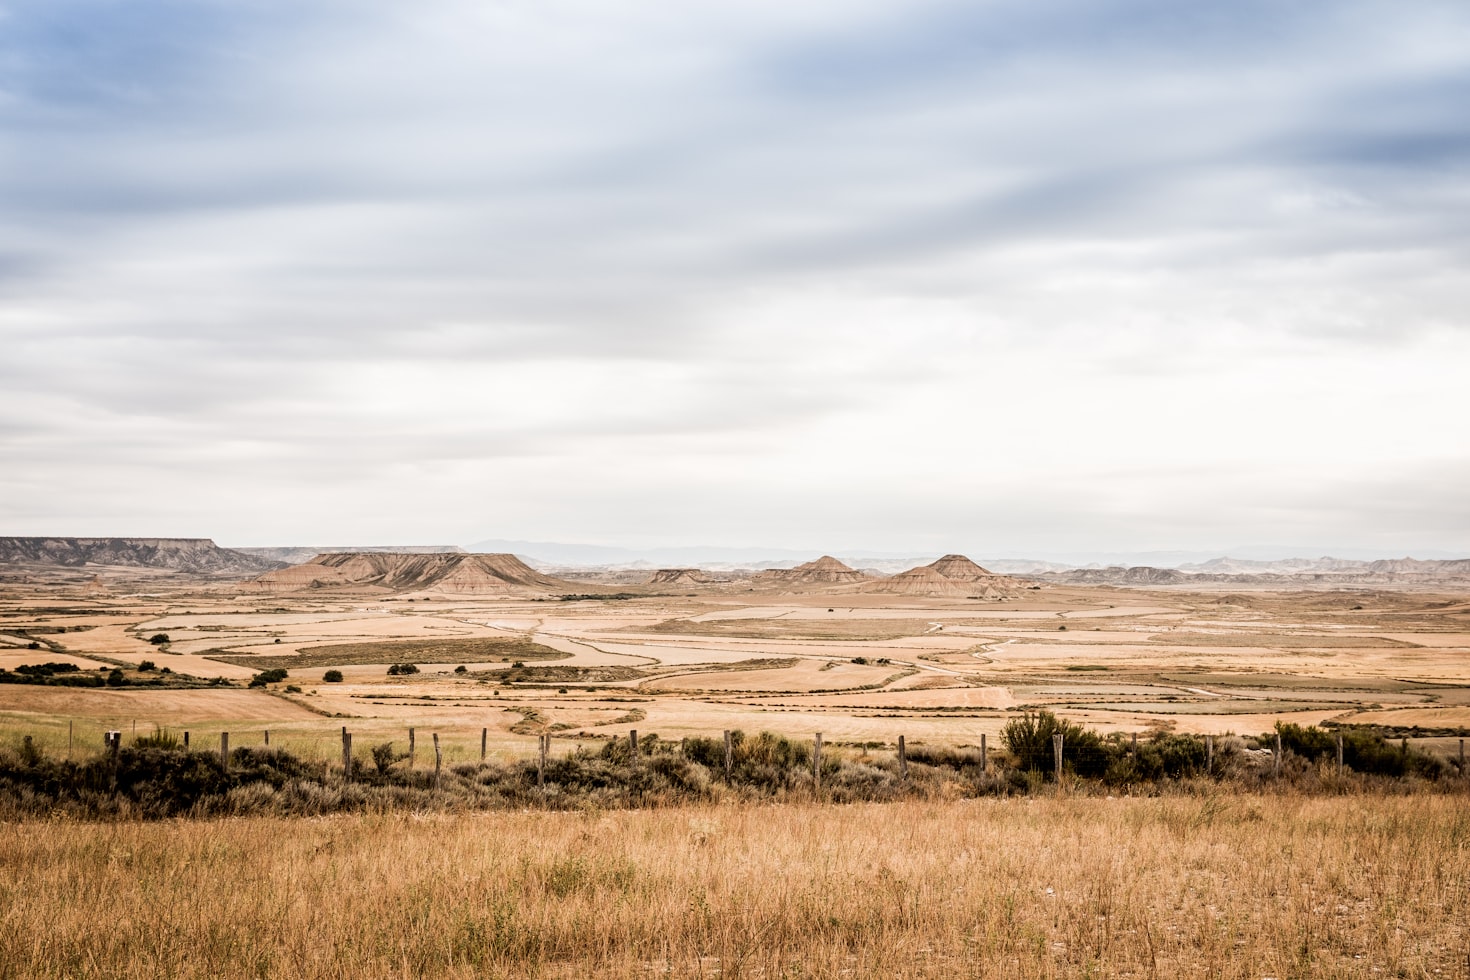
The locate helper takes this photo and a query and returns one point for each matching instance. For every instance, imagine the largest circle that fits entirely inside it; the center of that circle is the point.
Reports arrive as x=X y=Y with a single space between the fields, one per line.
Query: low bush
x=333 y=676
x=273 y=676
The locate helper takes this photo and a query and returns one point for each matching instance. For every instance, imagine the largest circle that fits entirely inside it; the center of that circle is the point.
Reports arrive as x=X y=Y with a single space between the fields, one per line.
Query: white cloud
x=889 y=276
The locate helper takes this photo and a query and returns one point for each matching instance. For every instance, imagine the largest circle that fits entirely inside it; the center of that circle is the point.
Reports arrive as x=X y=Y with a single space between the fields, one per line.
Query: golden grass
x=1213 y=886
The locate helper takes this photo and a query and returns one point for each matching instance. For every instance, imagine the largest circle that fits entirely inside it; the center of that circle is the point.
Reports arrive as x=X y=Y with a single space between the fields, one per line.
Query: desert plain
x=694 y=658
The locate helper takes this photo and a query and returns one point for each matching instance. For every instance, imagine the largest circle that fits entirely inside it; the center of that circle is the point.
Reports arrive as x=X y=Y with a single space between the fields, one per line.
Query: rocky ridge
x=452 y=574
x=952 y=575
x=199 y=556
x=825 y=570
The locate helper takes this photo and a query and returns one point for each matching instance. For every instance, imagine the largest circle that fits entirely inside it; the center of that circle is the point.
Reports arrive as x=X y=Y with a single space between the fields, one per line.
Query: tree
x=333 y=676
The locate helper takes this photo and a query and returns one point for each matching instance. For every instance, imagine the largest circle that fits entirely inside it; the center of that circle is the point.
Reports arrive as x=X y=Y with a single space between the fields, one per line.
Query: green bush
x=1029 y=740
x=158 y=639
x=397 y=670
x=116 y=679
x=333 y=676
x=1363 y=750
x=273 y=676
x=384 y=757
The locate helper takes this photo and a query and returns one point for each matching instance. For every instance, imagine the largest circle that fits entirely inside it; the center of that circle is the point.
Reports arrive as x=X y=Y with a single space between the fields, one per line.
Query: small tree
x=333 y=676
x=158 y=639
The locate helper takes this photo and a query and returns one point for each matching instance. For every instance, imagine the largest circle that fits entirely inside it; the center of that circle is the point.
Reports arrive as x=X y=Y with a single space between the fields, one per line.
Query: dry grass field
x=1210 y=886
x=1206 y=880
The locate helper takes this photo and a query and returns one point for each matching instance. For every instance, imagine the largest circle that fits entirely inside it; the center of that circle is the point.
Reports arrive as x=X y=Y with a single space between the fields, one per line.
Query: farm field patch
x=854 y=666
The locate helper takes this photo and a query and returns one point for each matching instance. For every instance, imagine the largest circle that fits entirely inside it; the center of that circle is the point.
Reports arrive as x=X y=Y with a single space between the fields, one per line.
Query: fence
x=1055 y=756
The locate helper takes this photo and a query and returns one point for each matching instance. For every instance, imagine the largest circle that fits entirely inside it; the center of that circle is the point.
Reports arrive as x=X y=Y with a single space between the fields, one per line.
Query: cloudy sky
x=1039 y=277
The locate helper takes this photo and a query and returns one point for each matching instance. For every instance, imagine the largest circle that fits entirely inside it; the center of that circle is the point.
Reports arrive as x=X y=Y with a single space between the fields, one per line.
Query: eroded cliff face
x=952 y=575
x=824 y=571
x=455 y=574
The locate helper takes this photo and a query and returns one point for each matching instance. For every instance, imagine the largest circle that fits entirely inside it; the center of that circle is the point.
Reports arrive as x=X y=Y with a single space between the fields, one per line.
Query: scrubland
x=1214 y=885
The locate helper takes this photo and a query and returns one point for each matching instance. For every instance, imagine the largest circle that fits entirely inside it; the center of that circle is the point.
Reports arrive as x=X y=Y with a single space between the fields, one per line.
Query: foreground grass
x=1220 y=886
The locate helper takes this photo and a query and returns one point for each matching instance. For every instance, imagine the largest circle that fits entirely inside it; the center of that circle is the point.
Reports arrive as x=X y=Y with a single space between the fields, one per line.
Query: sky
x=1036 y=278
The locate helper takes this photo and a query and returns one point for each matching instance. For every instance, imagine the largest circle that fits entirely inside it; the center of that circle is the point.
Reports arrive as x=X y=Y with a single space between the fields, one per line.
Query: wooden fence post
x=410 y=748
x=1209 y=755
x=1339 y=755
x=729 y=754
x=484 y=741
x=69 y=724
x=1133 y=749
x=438 y=760
x=541 y=763
x=1276 y=761
x=114 y=747
x=346 y=754
x=1462 y=757
x=633 y=745
x=817 y=761
x=186 y=740
x=267 y=738
x=1056 y=747
x=224 y=749
x=984 y=755
x=903 y=760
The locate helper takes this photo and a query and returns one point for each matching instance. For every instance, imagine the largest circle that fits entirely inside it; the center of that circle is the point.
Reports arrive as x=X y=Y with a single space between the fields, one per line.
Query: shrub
x=46 y=669
x=116 y=678
x=146 y=666
x=384 y=757
x=292 y=689
x=333 y=676
x=1029 y=739
x=461 y=669
x=158 y=639
x=1363 y=750
x=273 y=676
x=161 y=738
x=397 y=670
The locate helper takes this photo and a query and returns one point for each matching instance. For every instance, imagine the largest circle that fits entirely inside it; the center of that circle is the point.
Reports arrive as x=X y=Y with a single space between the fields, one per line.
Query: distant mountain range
x=198 y=556
x=201 y=556
x=296 y=554
x=1291 y=571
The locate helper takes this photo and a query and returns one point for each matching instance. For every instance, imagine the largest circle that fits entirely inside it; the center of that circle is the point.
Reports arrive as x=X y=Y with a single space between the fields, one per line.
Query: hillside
x=952 y=575
x=186 y=555
x=823 y=571
x=448 y=573
x=680 y=576
x=296 y=554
